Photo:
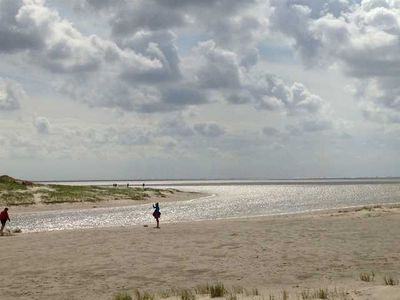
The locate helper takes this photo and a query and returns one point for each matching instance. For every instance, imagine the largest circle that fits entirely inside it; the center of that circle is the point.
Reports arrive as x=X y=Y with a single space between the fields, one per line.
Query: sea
x=225 y=199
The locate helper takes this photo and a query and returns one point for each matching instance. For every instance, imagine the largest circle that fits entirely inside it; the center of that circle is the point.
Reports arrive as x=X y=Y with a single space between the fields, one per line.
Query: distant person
x=157 y=214
x=4 y=218
x=127 y=185
x=143 y=185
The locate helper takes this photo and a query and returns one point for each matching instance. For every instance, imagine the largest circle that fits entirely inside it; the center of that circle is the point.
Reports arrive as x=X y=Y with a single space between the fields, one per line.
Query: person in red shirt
x=3 y=219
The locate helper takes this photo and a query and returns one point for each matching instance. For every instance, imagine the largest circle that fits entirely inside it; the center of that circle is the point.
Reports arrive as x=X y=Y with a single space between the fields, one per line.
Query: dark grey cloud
x=250 y=58
x=138 y=15
x=16 y=33
x=271 y=131
x=228 y=22
x=160 y=46
x=220 y=68
x=183 y=96
x=240 y=97
x=100 y=4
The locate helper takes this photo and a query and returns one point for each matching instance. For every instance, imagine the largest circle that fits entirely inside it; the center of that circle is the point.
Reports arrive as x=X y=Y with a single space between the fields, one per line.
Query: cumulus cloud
x=137 y=15
x=176 y=127
x=219 y=68
x=360 y=36
x=271 y=92
x=159 y=46
x=54 y=43
x=42 y=125
x=11 y=94
x=221 y=18
x=209 y=129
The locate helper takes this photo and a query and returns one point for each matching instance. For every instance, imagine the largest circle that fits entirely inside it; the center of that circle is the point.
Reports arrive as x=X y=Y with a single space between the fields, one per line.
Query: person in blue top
x=157 y=214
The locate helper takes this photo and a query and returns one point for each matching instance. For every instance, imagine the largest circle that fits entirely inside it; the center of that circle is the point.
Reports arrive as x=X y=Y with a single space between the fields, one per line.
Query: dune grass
x=10 y=184
x=389 y=280
x=367 y=277
x=18 y=192
x=218 y=290
x=122 y=296
x=16 y=198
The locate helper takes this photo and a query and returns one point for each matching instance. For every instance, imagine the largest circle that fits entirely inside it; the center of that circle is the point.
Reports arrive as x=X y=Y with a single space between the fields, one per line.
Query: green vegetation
x=216 y=290
x=144 y=295
x=68 y=193
x=122 y=296
x=17 y=192
x=15 y=198
x=324 y=293
x=234 y=293
x=10 y=184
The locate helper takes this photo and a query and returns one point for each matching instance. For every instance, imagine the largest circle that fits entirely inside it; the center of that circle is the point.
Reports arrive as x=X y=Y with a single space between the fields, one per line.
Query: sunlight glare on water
x=227 y=201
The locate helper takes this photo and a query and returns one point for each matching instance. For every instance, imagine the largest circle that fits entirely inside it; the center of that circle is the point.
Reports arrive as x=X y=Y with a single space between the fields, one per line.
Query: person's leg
x=158 y=223
x=2 y=227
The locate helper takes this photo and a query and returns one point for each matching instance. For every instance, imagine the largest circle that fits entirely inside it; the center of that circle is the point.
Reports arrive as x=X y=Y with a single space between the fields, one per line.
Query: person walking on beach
x=3 y=219
x=157 y=214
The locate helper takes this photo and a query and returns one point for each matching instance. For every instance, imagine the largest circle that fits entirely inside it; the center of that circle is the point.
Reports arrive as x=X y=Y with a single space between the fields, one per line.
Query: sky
x=186 y=89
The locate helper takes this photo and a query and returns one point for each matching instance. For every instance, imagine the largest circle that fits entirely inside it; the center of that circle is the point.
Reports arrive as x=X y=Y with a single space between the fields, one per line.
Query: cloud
x=14 y=33
x=361 y=37
x=315 y=125
x=175 y=127
x=11 y=93
x=271 y=93
x=137 y=15
x=159 y=46
x=219 y=68
x=42 y=125
x=55 y=44
x=271 y=131
x=232 y=22
x=209 y=129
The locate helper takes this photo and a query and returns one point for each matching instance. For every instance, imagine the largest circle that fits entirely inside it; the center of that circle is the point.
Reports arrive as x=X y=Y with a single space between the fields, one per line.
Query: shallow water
x=246 y=199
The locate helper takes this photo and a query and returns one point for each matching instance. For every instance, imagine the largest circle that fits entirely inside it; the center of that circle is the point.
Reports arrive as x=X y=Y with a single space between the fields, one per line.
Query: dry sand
x=291 y=253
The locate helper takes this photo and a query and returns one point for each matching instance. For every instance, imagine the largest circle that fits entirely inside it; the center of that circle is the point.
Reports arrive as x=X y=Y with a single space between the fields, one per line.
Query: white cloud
x=56 y=44
x=361 y=36
x=158 y=79
x=11 y=94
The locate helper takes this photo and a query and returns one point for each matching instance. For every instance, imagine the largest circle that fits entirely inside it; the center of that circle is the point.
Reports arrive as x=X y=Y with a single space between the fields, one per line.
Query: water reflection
x=229 y=201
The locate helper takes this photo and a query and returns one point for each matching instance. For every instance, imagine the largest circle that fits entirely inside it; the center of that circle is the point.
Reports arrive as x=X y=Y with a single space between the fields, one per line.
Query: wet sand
x=291 y=253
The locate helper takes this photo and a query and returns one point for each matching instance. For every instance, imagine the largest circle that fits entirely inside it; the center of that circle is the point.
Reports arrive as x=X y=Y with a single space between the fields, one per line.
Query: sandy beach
x=273 y=254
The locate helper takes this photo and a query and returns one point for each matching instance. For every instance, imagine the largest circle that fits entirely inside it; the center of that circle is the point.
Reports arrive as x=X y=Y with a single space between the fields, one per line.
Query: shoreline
x=189 y=196
x=177 y=196
x=291 y=253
